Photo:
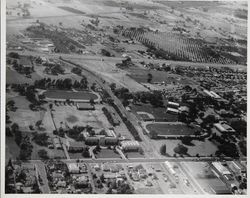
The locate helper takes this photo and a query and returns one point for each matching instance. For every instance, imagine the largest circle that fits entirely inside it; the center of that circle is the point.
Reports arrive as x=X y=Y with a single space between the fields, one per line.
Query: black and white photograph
x=124 y=97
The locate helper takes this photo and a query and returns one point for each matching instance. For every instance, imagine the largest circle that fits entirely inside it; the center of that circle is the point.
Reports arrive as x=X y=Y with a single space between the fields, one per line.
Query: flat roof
x=84 y=105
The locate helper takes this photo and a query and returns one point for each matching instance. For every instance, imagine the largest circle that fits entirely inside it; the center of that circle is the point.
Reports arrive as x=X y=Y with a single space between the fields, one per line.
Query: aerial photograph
x=126 y=97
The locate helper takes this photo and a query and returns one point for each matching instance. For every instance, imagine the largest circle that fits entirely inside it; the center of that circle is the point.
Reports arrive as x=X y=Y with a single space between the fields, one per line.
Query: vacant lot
x=159 y=113
x=170 y=129
x=107 y=153
x=80 y=95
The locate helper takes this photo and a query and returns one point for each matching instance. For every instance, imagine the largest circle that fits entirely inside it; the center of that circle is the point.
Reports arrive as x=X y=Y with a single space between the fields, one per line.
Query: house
x=105 y=167
x=109 y=175
x=130 y=145
x=85 y=106
x=148 y=183
x=74 y=146
x=142 y=173
x=73 y=168
x=184 y=109
x=50 y=143
x=223 y=127
x=57 y=143
x=135 y=176
x=61 y=183
x=114 y=169
x=110 y=133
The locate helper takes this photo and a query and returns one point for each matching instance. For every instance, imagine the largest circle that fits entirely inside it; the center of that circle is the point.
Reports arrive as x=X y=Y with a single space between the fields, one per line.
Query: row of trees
x=64 y=84
x=23 y=141
x=128 y=124
x=155 y=98
x=109 y=116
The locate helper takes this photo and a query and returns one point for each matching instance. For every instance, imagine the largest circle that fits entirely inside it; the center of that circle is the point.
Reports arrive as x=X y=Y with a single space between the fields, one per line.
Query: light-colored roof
x=222 y=169
x=172 y=109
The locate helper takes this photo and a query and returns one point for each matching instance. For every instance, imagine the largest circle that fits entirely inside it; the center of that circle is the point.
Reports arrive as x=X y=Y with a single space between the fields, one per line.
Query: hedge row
x=109 y=116
x=128 y=124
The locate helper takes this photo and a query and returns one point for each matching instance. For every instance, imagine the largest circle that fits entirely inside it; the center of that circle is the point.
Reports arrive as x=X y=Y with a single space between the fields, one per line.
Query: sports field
x=80 y=95
x=170 y=129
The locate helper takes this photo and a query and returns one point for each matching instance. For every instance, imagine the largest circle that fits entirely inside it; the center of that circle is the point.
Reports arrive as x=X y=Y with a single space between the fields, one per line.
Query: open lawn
x=159 y=113
x=80 y=95
x=70 y=115
x=170 y=129
x=107 y=153
x=134 y=155
x=141 y=76
x=12 y=149
x=13 y=77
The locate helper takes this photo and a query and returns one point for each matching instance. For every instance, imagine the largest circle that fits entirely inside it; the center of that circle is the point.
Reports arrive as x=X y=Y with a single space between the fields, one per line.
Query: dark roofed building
x=91 y=141
x=75 y=146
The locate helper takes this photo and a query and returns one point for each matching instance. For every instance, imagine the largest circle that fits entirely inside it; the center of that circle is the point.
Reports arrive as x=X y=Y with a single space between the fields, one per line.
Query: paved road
x=42 y=172
x=141 y=160
x=119 y=59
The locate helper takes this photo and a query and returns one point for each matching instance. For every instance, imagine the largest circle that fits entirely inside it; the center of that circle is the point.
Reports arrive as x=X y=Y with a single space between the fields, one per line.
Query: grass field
x=170 y=129
x=107 y=153
x=134 y=155
x=12 y=149
x=141 y=76
x=71 y=116
x=159 y=113
x=59 y=94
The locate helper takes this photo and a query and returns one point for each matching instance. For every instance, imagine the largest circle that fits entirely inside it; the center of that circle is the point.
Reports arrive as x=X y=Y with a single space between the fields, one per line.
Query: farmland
x=177 y=48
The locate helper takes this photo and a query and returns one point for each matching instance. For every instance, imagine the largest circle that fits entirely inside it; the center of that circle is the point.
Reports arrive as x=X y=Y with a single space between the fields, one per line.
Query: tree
x=8 y=132
x=150 y=77
x=85 y=152
x=91 y=101
x=38 y=124
x=14 y=55
x=15 y=127
x=112 y=86
x=41 y=139
x=163 y=149
x=43 y=154
x=181 y=149
x=186 y=140
x=153 y=134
